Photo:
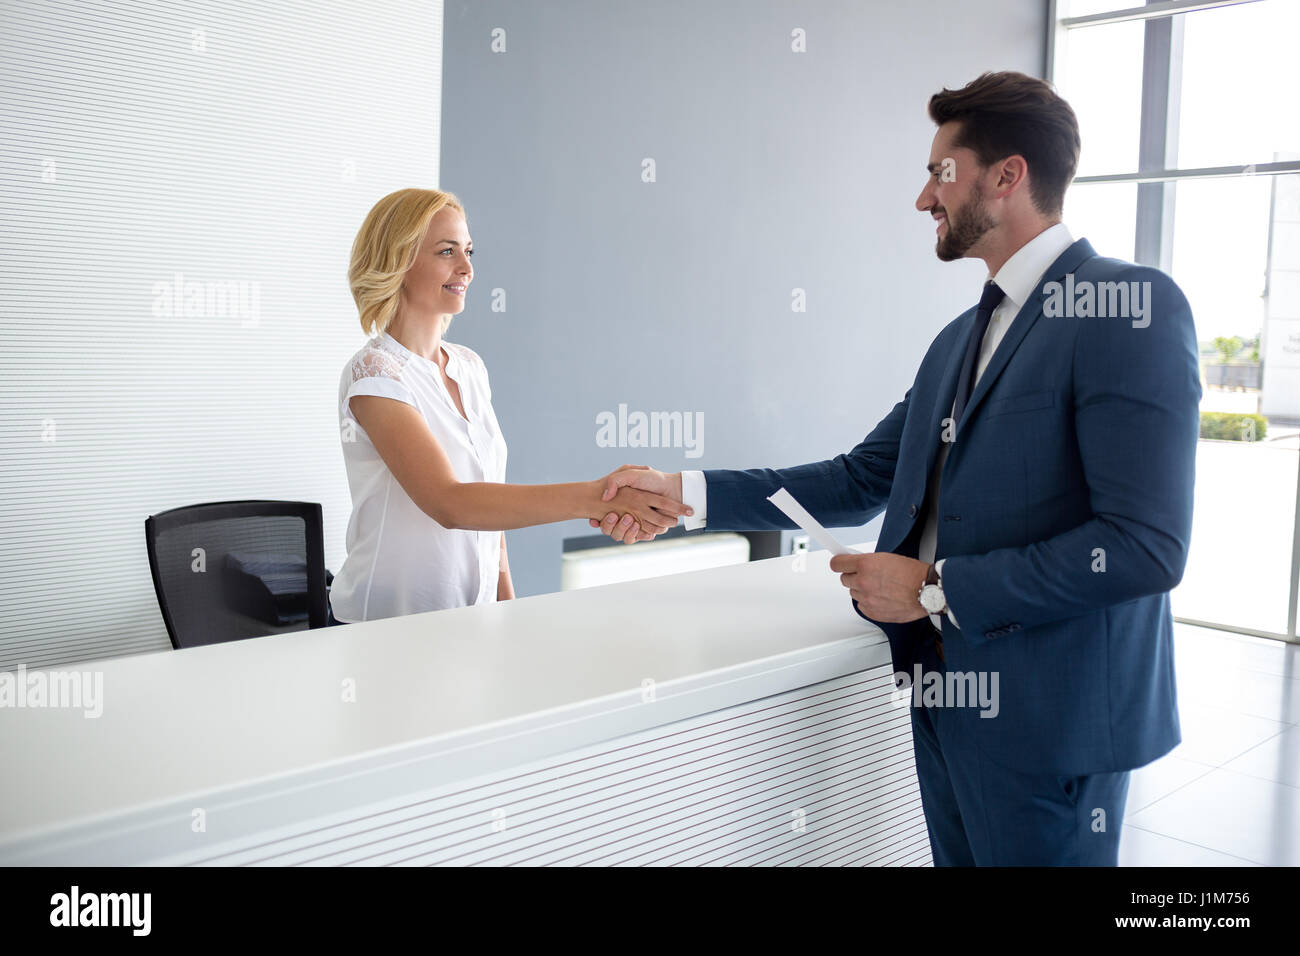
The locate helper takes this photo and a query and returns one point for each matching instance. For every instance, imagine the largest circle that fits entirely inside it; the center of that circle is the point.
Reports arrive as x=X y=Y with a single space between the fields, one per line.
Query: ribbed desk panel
x=820 y=775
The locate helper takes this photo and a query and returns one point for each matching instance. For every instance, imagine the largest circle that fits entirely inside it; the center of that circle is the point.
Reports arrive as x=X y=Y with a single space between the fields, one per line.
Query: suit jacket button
x=911 y=512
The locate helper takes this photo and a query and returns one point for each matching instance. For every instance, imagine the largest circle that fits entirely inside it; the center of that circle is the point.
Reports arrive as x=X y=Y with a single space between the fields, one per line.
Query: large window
x=1191 y=163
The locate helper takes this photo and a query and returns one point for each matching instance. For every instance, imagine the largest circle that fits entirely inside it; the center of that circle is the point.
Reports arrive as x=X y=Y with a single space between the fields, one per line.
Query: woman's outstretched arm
x=421 y=467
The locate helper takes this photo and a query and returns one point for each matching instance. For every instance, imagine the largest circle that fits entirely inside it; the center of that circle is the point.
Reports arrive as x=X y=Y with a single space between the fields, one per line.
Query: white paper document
x=800 y=516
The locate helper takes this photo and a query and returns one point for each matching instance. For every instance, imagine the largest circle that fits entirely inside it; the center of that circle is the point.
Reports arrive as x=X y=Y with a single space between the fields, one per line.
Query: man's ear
x=1012 y=174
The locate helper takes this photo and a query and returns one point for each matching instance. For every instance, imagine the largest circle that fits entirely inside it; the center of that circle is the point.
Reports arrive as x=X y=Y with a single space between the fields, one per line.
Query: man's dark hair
x=1007 y=114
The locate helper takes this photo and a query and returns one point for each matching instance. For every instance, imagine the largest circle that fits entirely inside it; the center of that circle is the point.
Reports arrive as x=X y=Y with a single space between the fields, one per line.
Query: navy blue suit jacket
x=1065 y=515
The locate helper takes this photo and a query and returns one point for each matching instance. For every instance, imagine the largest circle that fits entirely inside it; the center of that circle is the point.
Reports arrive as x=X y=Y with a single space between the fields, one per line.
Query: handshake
x=884 y=586
x=649 y=502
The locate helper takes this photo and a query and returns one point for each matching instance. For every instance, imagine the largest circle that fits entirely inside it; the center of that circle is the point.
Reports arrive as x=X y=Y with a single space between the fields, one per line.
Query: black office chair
x=231 y=570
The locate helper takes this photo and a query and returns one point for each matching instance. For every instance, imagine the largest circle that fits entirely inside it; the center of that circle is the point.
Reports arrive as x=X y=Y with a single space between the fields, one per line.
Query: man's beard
x=965 y=228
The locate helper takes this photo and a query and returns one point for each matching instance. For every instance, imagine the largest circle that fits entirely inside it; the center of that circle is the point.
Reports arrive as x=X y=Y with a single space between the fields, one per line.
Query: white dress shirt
x=400 y=561
x=1018 y=278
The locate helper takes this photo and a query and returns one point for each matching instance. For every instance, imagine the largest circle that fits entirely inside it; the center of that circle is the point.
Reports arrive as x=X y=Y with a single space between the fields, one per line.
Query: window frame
x=1158 y=172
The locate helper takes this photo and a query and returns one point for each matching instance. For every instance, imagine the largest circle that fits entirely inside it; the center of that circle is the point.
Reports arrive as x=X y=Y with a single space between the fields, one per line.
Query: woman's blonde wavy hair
x=385 y=249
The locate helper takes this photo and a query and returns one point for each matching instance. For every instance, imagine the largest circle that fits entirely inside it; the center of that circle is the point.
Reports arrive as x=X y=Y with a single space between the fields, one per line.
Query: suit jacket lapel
x=1029 y=313
x=892 y=537
x=943 y=405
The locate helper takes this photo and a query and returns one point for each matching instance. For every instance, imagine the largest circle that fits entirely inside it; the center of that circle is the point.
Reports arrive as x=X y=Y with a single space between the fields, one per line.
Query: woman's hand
x=647 y=479
x=652 y=513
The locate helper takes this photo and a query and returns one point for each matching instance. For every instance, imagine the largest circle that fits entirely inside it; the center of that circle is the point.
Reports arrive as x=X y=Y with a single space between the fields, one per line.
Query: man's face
x=955 y=196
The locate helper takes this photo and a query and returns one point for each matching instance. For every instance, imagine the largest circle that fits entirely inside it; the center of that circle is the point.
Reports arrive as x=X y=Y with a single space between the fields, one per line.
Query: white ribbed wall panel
x=225 y=142
x=719 y=789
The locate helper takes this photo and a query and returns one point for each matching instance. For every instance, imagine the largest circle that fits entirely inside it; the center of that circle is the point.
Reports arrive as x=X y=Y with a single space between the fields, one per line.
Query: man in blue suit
x=1037 y=487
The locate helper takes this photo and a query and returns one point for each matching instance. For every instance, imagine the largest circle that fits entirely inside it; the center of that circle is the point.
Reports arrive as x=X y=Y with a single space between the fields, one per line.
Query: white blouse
x=401 y=561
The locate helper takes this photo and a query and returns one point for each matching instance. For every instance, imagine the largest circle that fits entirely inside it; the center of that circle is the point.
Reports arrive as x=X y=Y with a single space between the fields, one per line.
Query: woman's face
x=441 y=274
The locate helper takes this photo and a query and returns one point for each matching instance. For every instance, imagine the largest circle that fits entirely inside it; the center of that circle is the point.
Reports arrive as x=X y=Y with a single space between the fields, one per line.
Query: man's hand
x=647 y=479
x=886 y=587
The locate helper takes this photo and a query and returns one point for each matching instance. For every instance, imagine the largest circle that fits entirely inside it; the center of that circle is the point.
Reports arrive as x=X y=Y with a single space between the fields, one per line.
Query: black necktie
x=965 y=382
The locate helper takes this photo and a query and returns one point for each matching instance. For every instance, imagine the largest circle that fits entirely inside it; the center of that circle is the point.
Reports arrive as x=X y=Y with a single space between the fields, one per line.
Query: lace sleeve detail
x=379 y=373
x=375 y=363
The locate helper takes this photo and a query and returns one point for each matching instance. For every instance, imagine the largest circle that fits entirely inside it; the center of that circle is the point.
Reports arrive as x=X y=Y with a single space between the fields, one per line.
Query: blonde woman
x=425 y=457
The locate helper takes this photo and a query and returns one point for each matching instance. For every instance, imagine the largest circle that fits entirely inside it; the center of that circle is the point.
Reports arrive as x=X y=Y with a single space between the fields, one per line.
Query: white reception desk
x=740 y=715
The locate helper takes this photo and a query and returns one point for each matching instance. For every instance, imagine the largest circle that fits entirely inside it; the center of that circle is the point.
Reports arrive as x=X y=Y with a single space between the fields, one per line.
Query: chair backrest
x=230 y=570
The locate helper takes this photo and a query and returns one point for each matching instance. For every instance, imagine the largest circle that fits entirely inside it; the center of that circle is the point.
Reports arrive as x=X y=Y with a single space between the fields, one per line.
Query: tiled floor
x=1229 y=795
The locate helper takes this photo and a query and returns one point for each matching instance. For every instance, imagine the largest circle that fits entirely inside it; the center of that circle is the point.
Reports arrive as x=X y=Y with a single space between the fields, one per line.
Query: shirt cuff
x=695 y=496
x=938 y=567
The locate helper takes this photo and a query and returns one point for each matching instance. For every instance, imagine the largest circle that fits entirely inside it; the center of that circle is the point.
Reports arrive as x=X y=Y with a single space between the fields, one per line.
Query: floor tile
x=1144 y=848
x=1226 y=649
x=1215 y=735
x=1276 y=759
x=1243 y=816
x=1250 y=692
x=1159 y=779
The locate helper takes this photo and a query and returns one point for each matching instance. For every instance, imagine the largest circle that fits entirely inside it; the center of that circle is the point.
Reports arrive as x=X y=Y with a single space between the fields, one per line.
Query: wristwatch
x=931 y=593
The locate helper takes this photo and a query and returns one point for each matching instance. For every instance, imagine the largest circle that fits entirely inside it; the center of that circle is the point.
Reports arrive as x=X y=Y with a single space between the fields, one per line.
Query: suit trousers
x=979 y=813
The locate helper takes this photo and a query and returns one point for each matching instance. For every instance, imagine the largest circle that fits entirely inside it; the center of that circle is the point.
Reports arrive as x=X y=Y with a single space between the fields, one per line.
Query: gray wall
x=775 y=170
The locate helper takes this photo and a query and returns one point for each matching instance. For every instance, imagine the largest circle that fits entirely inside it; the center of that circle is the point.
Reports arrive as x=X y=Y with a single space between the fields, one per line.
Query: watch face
x=932 y=598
